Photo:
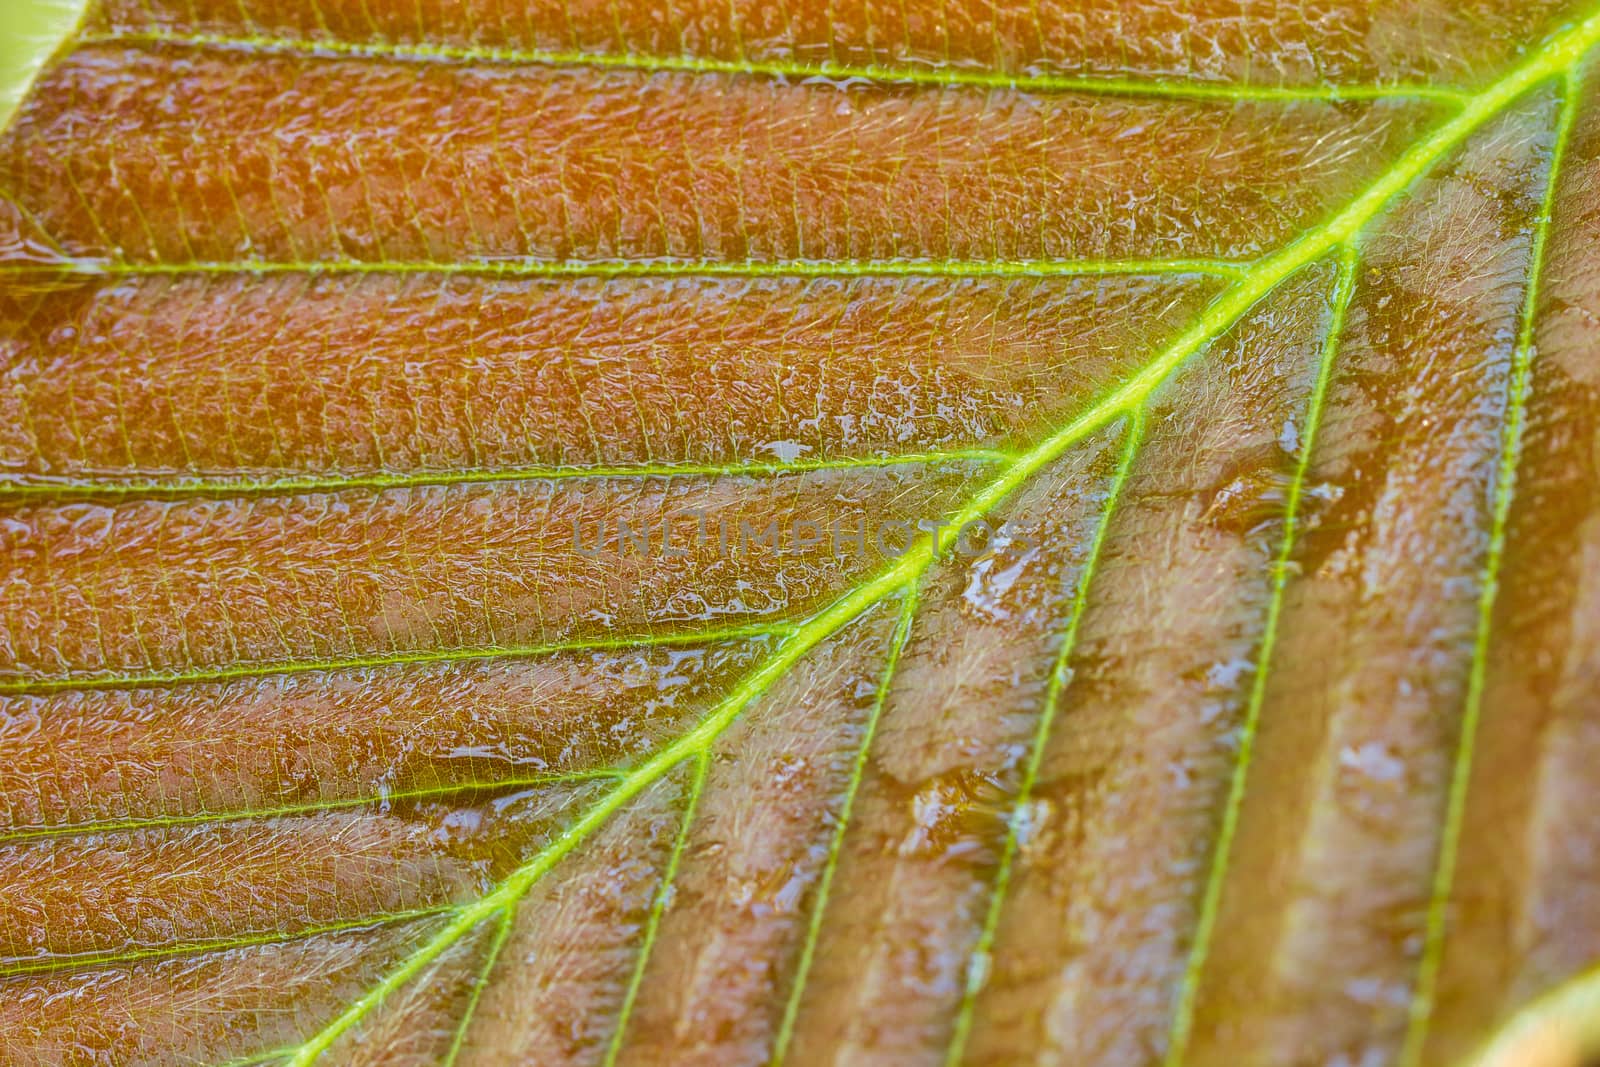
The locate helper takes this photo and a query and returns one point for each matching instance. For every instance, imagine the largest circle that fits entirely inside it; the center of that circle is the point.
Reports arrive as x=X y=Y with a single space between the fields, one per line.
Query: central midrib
x=1554 y=58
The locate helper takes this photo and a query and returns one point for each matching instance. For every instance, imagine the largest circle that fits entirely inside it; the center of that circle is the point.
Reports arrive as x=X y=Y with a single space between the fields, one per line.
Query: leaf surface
x=751 y=533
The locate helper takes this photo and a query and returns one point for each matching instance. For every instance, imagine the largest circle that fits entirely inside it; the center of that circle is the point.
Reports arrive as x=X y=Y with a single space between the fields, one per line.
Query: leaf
x=32 y=28
x=492 y=555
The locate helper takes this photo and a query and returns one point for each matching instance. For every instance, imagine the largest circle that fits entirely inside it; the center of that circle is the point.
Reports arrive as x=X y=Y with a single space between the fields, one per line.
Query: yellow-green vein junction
x=502 y=933
x=658 y=906
x=1552 y=59
x=1233 y=806
x=819 y=906
x=256 y=1059
x=979 y=961
x=18 y=834
x=1511 y=429
x=18 y=966
x=937 y=77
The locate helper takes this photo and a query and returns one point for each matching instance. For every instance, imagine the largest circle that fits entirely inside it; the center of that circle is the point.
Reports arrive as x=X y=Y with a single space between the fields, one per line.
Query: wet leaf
x=569 y=533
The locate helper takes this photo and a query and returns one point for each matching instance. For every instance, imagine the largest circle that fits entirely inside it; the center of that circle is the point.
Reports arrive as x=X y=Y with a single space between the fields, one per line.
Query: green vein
x=941 y=77
x=18 y=966
x=692 y=744
x=29 y=219
x=1504 y=487
x=663 y=267
x=255 y=1059
x=658 y=907
x=502 y=934
x=210 y=818
x=819 y=907
x=1553 y=58
x=1222 y=851
x=179 y=488
x=1060 y=675
x=155 y=679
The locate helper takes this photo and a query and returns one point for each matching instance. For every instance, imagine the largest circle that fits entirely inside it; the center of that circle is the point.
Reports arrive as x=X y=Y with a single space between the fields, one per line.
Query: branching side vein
x=1559 y=54
x=942 y=77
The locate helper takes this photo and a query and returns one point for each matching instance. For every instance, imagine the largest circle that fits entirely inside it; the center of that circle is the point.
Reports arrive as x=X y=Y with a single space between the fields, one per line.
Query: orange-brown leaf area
x=475 y=576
